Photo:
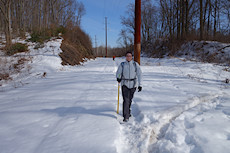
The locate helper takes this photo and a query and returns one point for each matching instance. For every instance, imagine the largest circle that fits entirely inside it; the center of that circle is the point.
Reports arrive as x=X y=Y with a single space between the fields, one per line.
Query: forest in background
x=44 y=19
x=167 y=24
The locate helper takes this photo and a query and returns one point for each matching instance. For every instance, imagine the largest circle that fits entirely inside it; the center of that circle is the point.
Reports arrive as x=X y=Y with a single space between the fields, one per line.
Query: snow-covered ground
x=208 y=51
x=184 y=108
x=36 y=62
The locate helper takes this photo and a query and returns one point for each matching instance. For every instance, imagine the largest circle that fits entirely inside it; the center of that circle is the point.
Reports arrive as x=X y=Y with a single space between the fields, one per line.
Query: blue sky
x=93 y=22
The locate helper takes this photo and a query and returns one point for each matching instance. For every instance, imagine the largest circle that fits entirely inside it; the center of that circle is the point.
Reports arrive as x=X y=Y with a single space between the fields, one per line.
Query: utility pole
x=96 y=45
x=106 y=35
x=137 y=37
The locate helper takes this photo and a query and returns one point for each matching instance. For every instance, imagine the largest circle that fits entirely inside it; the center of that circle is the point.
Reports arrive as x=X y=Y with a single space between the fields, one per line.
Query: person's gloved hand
x=139 y=89
x=118 y=80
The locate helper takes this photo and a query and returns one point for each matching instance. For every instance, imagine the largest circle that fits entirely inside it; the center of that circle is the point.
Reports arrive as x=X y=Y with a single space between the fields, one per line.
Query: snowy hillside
x=184 y=108
x=37 y=62
x=206 y=51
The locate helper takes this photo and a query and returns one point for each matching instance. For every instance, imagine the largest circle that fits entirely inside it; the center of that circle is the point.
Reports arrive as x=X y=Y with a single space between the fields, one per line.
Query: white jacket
x=130 y=73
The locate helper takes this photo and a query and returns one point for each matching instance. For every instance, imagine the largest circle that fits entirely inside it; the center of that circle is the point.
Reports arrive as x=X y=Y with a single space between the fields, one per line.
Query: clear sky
x=93 y=22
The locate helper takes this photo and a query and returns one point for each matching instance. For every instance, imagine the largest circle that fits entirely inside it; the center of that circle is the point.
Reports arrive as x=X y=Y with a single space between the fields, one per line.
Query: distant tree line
x=100 y=51
x=20 y=16
x=174 y=21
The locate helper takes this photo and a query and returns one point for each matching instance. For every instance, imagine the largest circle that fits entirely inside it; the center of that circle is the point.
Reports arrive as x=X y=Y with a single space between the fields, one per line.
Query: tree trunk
x=201 y=19
x=5 y=9
x=209 y=14
x=214 y=25
x=186 y=18
x=178 y=19
x=183 y=19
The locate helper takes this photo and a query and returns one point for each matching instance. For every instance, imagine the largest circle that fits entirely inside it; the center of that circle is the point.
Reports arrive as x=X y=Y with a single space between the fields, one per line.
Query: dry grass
x=75 y=47
x=5 y=76
x=19 y=65
x=70 y=54
x=15 y=48
x=11 y=65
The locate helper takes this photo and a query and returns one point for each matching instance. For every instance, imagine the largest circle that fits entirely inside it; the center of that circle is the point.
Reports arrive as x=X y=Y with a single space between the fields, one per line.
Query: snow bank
x=38 y=63
x=206 y=51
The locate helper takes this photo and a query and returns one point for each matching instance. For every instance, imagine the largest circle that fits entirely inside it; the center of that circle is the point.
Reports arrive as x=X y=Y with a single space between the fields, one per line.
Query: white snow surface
x=184 y=108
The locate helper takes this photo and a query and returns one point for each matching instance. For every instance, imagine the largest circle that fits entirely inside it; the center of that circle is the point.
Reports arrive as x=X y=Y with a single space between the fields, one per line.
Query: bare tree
x=149 y=20
x=80 y=12
x=149 y=25
x=128 y=20
x=5 y=10
x=125 y=40
x=201 y=19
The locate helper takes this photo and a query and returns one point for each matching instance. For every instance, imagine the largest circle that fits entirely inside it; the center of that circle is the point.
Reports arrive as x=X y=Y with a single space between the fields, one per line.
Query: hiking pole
x=118 y=98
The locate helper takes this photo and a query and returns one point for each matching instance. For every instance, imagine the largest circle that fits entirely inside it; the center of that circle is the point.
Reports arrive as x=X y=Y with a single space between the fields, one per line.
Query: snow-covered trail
x=73 y=110
x=171 y=89
x=69 y=111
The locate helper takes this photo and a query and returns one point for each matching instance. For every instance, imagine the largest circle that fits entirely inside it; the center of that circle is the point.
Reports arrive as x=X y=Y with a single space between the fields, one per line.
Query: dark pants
x=127 y=100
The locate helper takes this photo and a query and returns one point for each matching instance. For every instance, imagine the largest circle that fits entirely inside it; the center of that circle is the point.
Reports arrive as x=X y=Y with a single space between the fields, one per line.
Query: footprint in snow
x=228 y=137
x=188 y=124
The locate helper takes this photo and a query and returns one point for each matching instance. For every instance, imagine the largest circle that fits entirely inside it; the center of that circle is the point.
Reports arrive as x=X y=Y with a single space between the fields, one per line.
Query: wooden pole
x=118 y=98
x=137 y=37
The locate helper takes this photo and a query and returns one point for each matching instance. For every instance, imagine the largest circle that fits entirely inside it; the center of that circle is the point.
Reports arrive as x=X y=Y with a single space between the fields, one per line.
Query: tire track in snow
x=171 y=114
x=184 y=137
x=138 y=136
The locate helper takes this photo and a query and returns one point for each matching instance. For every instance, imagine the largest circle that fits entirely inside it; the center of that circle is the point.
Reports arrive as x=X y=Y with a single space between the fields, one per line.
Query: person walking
x=130 y=76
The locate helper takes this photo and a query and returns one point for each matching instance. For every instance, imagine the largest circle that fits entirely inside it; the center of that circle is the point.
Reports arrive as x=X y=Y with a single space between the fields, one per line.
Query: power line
x=106 y=35
x=96 y=46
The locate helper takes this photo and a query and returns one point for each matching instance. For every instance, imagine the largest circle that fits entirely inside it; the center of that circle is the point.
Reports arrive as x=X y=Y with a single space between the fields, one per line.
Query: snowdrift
x=206 y=51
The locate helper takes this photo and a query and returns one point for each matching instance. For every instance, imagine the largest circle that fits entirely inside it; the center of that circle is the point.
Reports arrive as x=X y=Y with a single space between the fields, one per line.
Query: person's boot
x=125 y=120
